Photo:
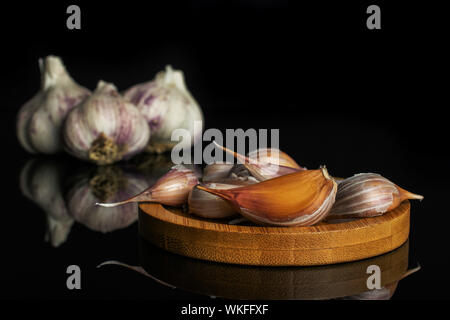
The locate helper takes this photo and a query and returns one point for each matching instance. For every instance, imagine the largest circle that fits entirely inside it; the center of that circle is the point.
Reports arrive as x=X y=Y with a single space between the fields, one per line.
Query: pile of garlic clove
x=104 y=127
x=264 y=196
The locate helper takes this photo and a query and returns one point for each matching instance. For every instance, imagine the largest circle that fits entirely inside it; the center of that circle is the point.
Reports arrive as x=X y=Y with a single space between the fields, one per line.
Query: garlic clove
x=216 y=171
x=105 y=128
x=274 y=156
x=207 y=205
x=166 y=104
x=171 y=189
x=302 y=198
x=367 y=195
x=39 y=121
x=260 y=170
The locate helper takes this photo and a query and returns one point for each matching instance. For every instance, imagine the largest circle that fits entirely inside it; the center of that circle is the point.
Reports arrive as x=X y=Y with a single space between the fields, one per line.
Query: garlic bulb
x=105 y=128
x=367 y=195
x=105 y=183
x=207 y=205
x=39 y=120
x=302 y=198
x=167 y=105
x=41 y=181
x=171 y=189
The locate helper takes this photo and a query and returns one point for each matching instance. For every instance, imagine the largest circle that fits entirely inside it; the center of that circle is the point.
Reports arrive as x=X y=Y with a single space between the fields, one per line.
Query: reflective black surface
x=62 y=226
x=340 y=95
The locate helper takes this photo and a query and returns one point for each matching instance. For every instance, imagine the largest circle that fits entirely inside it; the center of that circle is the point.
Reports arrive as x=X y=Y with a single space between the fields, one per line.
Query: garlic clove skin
x=367 y=195
x=274 y=156
x=216 y=171
x=207 y=205
x=260 y=170
x=172 y=189
x=167 y=105
x=104 y=128
x=39 y=121
x=302 y=198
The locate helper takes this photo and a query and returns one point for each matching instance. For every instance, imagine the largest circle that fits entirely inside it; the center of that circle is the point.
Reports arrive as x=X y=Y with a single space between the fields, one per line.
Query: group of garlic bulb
x=104 y=126
x=273 y=194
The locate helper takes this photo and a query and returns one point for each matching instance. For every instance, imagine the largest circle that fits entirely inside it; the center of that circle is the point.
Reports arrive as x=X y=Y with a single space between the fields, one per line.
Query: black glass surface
x=344 y=97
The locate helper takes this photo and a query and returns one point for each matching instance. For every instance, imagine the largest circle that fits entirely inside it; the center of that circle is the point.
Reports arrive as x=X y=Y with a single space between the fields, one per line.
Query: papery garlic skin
x=367 y=195
x=207 y=205
x=174 y=187
x=216 y=171
x=274 y=156
x=105 y=128
x=262 y=170
x=166 y=104
x=39 y=120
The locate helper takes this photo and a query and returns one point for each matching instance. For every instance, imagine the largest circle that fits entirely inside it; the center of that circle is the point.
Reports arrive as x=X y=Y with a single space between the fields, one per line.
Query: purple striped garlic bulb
x=105 y=128
x=166 y=104
x=367 y=195
x=39 y=121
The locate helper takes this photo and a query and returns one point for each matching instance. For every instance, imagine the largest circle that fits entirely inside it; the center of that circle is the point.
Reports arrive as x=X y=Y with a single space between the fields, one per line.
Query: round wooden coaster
x=325 y=243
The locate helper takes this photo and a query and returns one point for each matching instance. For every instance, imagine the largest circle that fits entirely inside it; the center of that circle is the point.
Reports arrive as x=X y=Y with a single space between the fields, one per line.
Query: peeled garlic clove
x=216 y=171
x=274 y=156
x=367 y=195
x=302 y=198
x=207 y=205
x=108 y=183
x=105 y=128
x=167 y=105
x=260 y=170
x=172 y=189
x=39 y=120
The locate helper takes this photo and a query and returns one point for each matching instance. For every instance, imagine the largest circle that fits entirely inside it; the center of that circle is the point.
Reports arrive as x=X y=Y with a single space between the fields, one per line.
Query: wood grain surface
x=325 y=243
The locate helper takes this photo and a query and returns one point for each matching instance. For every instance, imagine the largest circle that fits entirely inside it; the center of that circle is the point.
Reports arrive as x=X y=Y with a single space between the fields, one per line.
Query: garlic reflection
x=39 y=120
x=105 y=128
x=41 y=181
x=108 y=183
x=166 y=104
x=152 y=166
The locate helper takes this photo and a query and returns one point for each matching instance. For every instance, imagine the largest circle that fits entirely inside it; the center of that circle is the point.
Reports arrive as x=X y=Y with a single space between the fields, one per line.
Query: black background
x=357 y=100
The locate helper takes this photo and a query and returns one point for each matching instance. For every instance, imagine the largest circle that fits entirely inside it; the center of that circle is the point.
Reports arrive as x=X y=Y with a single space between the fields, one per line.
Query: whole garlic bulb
x=105 y=128
x=39 y=120
x=167 y=105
